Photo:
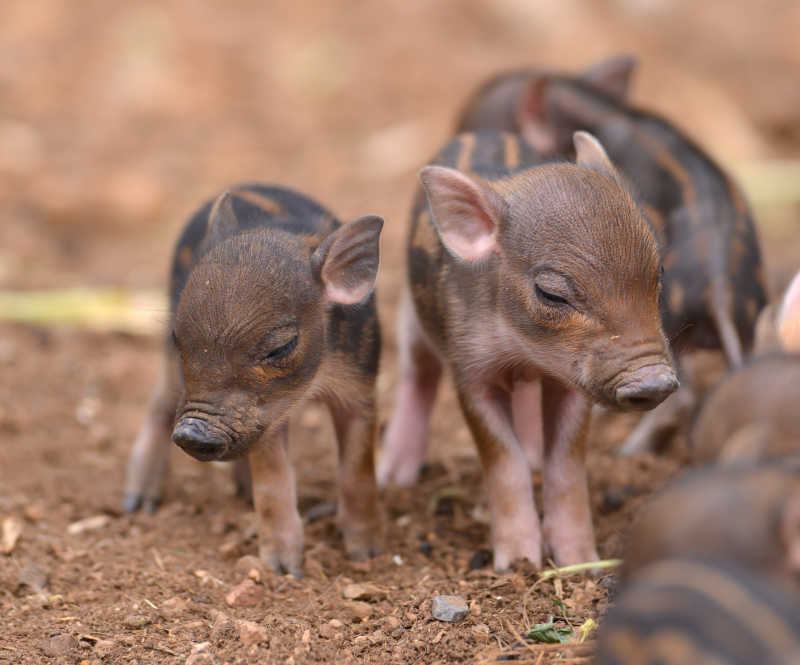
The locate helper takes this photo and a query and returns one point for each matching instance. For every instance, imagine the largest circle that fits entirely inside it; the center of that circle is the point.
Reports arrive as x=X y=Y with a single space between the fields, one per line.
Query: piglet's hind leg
x=526 y=410
x=420 y=370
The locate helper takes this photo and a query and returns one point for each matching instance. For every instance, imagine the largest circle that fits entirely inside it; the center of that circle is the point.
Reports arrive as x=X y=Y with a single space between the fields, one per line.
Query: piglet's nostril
x=647 y=388
x=198 y=439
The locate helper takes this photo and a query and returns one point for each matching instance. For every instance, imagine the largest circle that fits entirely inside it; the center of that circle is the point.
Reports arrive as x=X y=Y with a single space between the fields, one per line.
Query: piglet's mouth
x=201 y=440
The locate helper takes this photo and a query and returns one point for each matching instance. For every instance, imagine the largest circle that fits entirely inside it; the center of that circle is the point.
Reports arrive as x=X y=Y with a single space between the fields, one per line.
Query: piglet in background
x=712 y=572
x=700 y=611
x=538 y=286
x=271 y=304
x=713 y=276
x=752 y=413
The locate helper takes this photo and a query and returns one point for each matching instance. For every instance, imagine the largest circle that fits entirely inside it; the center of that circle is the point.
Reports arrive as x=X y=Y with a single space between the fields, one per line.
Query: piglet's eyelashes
x=276 y=346
x=279 y=353
x=553 y=290
x=550 y=298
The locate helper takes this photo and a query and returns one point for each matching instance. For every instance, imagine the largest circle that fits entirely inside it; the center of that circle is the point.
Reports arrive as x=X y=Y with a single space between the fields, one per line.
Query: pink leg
x=515 y=524
x=279 y=525
x=526 y=410
x=406 y=438
x=567 y=522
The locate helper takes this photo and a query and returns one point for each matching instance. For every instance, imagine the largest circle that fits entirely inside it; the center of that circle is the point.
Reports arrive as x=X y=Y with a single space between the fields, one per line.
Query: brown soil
x=115 y=122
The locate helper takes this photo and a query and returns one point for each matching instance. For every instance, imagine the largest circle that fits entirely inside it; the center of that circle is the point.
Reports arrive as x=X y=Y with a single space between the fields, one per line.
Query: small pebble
x=173 y=607
x=392 y=623
x=358 y=609
x=103 y=647
x=244 y=594
x=58 y=645
x=449 y=608
x=367 y=591
x=136 y=621
x=250 y=632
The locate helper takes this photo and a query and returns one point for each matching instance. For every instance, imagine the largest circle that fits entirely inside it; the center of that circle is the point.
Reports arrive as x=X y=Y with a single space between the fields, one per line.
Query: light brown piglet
x=538 y=286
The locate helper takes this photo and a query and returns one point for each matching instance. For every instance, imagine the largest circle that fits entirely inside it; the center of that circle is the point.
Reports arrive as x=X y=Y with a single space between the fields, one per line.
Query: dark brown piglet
x=713 y=276
x=746 y=514
x=700 y=611
x=271 y=304
x=537 y=285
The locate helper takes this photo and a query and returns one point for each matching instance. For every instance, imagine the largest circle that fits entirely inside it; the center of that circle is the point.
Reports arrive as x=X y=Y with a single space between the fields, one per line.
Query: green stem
x=579 y=567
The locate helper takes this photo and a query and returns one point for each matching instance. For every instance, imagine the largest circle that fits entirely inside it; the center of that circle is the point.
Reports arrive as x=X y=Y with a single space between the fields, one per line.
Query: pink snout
x=647 y=387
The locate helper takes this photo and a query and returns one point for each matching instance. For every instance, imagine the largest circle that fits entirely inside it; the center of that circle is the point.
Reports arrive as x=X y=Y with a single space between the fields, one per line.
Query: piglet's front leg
x=280 y=530
x=515 y=524
x=567 y=516
x=359 y=509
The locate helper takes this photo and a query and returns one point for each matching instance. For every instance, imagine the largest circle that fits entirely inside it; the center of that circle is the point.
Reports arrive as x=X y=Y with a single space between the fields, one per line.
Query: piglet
x=749 y=514
x=700 y=611
x=538 y=286
x=752 y=414
x=271 y=304
x=713 y=274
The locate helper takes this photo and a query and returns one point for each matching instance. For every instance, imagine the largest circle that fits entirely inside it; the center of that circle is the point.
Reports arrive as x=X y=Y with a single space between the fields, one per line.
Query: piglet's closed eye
x=347 y=261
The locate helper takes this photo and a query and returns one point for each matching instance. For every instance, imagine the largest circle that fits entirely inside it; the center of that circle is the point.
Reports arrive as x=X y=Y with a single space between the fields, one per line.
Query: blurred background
x=117 y=119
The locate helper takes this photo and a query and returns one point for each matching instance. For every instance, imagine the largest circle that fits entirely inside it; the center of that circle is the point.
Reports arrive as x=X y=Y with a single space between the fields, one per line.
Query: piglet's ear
x=612 y=76
x=465 y=213
x=789 y=317
x=347 y=261
x=590 y=154
x=531 y=117
x=221 y=220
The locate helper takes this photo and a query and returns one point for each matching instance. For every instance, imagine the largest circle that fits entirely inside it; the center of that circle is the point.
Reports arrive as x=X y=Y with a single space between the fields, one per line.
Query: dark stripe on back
x=489 y=154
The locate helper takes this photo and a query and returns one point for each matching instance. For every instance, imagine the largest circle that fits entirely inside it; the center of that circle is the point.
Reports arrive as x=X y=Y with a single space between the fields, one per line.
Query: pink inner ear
x=345 y=295
x=463 y=214
x=789 y=317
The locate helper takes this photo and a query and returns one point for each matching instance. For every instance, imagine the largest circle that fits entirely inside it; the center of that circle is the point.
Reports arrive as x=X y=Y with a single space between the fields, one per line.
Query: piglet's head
x=576 y=271
x=250 y=326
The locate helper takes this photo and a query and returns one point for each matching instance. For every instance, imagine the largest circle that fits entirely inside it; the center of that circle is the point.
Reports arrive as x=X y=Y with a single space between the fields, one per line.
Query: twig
x=579 y=567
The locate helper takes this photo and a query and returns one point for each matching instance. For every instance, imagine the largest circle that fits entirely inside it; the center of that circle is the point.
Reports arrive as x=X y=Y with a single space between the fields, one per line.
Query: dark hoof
x=132 y=503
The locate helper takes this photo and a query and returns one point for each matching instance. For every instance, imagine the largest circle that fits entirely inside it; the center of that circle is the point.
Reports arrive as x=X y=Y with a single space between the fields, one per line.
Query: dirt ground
x=116 y=120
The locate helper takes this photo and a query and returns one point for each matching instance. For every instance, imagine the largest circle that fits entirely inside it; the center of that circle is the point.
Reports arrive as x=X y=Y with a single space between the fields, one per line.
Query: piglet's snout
x=647 y=387
x=199 y=439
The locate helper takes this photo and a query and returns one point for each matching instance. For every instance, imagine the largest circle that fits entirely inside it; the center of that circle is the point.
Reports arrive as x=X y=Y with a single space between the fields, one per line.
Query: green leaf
x=547 y=632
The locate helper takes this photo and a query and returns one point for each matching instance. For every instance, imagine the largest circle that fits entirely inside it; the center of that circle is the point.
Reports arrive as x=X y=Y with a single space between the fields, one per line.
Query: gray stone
x=449 y=608
x=59 y=645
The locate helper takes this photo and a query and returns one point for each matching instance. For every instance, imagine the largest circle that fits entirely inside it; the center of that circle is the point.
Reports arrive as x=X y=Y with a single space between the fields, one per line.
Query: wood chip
x=11 y=531
x=88 y=524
